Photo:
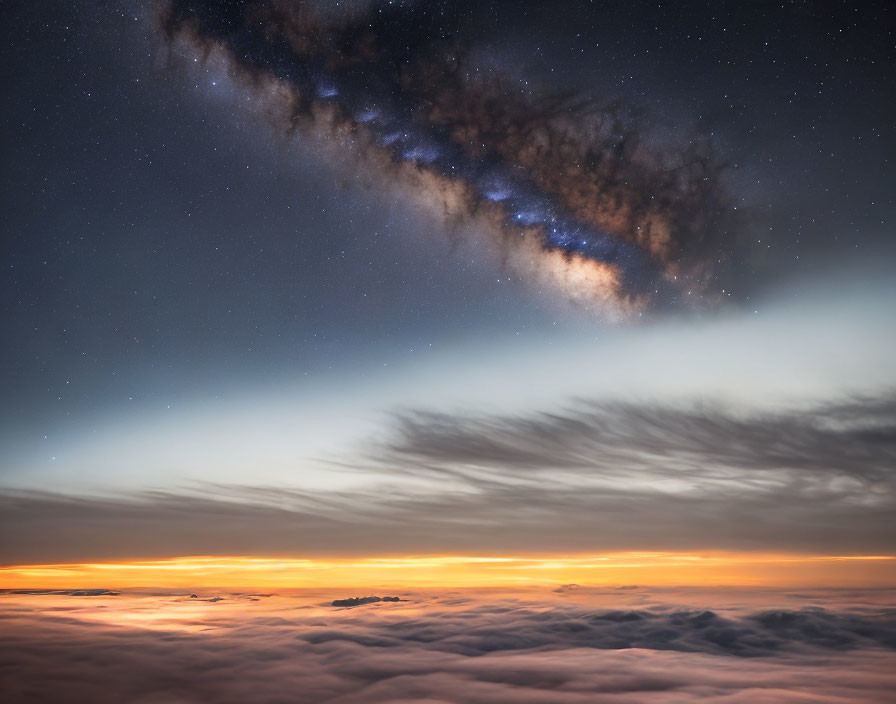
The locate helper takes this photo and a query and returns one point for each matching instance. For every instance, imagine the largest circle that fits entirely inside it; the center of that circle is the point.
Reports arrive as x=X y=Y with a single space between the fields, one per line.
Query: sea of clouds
x=553 y=645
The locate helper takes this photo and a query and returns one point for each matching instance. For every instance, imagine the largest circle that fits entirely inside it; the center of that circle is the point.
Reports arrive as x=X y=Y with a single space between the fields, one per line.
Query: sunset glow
x=645 y=568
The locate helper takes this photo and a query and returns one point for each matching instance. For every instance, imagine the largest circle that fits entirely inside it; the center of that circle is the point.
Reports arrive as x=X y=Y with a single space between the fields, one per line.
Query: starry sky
x=470 y=264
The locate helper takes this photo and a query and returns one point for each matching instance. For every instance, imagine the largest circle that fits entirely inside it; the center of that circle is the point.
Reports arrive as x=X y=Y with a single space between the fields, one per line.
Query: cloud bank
x=459 y=647
x=598 y=477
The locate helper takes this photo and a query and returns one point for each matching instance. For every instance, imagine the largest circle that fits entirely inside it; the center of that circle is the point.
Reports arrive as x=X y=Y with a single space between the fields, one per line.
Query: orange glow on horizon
x=648 y=569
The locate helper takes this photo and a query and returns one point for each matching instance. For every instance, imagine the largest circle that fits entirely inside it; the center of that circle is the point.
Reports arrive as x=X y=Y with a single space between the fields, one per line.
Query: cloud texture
x=457 y=647
x=595 y=477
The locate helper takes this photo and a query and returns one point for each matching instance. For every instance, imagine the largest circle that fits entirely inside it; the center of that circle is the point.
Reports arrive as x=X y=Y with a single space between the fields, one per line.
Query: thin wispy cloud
x=597 y=477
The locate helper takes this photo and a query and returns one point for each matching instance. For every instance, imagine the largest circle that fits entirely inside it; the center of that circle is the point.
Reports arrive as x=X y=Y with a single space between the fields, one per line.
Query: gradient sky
x=243 y=316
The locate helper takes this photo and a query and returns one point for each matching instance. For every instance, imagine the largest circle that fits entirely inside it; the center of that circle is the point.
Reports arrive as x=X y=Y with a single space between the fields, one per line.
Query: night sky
x=485 y=351
x=331 y=247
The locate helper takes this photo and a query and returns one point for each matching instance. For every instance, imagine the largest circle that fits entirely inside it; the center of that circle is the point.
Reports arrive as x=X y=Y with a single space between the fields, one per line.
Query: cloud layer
x=597 y=477
x=459 y=647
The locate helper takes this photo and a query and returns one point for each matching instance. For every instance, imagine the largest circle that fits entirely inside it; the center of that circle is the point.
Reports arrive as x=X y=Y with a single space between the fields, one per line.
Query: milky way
x=566 y=184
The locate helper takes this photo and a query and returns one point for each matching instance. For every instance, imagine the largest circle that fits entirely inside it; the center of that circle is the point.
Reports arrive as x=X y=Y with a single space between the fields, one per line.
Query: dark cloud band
x=597 y=477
